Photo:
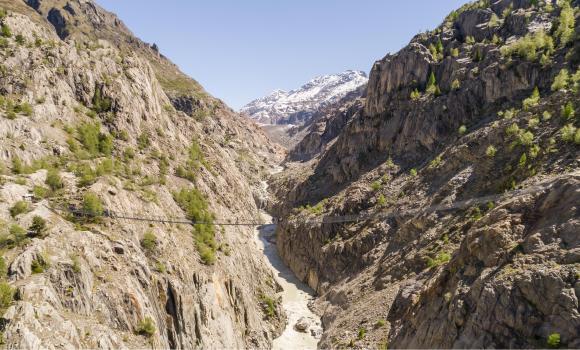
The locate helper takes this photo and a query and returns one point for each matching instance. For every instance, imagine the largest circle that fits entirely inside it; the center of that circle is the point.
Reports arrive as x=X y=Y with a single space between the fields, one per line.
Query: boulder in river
x=302 y=325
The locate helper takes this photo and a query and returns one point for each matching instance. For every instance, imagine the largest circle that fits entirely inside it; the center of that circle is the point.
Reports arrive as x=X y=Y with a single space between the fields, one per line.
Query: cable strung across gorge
x=382 y=215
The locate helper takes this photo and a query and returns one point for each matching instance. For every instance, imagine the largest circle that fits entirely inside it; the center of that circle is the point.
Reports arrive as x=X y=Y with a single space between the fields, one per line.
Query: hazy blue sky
x=243 y=49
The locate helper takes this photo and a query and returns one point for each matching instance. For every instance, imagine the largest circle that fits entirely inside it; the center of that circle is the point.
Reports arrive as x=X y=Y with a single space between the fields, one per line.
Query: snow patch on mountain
x=285 y=107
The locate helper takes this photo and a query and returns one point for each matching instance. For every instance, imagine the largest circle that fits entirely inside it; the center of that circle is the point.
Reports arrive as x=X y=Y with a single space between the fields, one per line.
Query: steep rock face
x=298 y=106
x=324 y=127
x=102 y=284
x=403 y=224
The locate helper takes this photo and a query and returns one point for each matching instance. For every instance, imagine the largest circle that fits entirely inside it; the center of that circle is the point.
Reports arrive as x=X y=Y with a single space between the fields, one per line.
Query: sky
x=240 y=50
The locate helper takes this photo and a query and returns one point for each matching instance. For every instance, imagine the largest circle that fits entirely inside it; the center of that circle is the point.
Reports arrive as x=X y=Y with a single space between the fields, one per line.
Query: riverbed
x=295 y=295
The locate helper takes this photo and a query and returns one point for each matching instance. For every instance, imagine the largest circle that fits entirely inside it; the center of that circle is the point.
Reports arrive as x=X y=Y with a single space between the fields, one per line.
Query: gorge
x=432 y=205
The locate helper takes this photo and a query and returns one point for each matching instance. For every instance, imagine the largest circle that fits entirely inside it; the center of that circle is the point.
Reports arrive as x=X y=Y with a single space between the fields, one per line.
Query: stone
x=302 y=324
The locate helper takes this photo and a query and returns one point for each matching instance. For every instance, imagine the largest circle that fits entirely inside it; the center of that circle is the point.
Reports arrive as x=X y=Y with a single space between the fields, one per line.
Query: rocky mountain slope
x=298 y=106
x=445 y=213
x=95 y=123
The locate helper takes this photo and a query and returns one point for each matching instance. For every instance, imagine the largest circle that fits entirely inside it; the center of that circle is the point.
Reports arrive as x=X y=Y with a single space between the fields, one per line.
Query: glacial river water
x=295 y=297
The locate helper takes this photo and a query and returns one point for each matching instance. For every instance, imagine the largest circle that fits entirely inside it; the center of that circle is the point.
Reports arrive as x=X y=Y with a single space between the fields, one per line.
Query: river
x=295 y=295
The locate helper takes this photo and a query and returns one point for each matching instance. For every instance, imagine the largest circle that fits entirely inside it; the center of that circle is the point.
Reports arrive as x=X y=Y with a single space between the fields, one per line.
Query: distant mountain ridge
x=296 y=106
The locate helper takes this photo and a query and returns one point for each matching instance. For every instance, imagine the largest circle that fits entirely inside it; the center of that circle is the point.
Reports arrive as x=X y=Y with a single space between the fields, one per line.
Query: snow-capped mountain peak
x=279 y=106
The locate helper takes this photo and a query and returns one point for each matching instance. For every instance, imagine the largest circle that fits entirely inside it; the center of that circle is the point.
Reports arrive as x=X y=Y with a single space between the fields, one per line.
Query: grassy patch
x=146 y=327
x=440 y=259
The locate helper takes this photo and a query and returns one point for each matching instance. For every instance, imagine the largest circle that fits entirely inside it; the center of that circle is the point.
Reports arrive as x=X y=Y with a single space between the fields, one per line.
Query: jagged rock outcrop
x=106 y=114
x=324 y=126
x=456 y=184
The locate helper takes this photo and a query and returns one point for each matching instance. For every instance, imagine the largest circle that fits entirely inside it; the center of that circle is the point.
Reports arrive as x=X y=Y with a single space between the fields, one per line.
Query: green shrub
x=437 y=50
x=101 y=103
x=38 y=226
x=494 y=21
x=316 y=209
x=6 y=295
x=534 y=151
x=105 y=144
x=462 y=129
x=561 y=80
x=196 y=209
x=454 y=52
x=17 y=166
x=123 y=135
x=526 y=138
x=18 y=231
x=3 y=13
x=143 y=141
x=568 y=110
x=512 y=130
x=5 y=30
x=163 y=166
x=15 y=238
x=18 y=208
x=529 y=46
x=89 y=137
x=91 y=114
x=129 y=153
x=545 y=59
x=24 y=108
x=470 y=40
x=523 y=160
x=376 y=185
x=92 y=205
x=206 y=252
x=269 y=306
x=53 y=180
x=195 y=155
x=160 y=267
x=533 y=122
x=568 y=133
x=3 y=268
x=546 y=115
x=575 y=80
x=533 y=100
x=431 y=84
x=362 y=332
x=20 y=39
x=149 y=241
x=381 y=200
x=105 y=167
x=85 y=174
x=553 y=340
x=509 y=113
x=455 y=85
x=415 y=95
x=413 y=172
x=490 y=151
x=76 y=263
x=380 y=323
x=440 y=259
x=40 y=192
x=146 y=327
x=435 y=162
x=39 y=265
x=565 y=25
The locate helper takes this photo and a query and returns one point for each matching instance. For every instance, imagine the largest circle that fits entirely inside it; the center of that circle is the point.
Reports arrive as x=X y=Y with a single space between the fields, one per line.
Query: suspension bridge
x=318 y=219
